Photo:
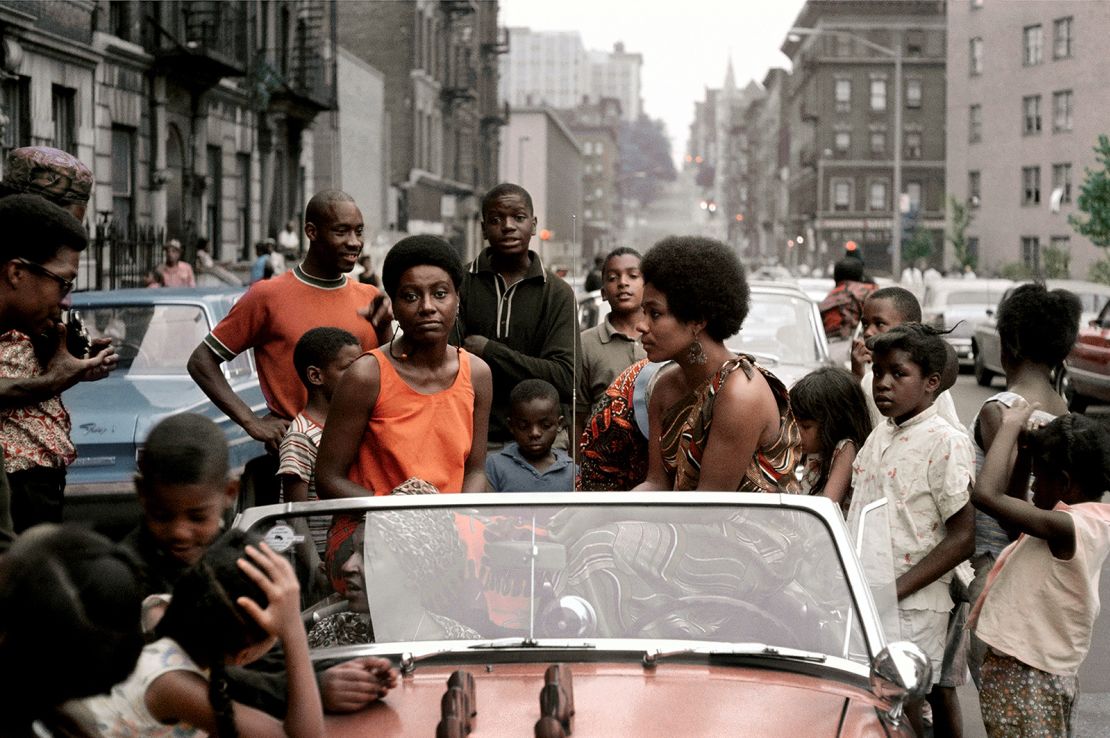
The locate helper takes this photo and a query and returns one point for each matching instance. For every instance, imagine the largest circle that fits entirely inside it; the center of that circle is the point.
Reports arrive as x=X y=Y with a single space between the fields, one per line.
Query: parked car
x=783 y=331
x=1085 y=376
x=153 y=331
x=609 y=614
x=960 y=304
x=816 y=288
x=986 y=347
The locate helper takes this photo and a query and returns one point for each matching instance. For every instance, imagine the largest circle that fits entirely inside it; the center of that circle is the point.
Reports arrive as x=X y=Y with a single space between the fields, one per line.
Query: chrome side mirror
x=901 y=673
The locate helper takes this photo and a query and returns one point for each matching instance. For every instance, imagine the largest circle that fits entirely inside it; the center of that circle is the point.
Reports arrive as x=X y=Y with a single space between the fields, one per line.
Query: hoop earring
x=695 y=353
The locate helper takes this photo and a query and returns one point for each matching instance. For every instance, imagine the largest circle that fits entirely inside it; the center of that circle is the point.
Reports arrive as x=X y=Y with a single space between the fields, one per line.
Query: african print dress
x=686 y=427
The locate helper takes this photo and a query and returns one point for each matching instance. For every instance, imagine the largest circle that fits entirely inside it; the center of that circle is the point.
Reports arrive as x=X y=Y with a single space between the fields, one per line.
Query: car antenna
x=575 y=263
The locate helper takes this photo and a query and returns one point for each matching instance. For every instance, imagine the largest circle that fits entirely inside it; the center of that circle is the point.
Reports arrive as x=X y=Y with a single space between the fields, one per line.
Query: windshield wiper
x=760 y=650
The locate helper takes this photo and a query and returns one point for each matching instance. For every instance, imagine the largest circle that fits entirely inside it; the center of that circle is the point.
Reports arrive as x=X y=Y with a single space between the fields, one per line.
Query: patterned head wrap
x=52 y=173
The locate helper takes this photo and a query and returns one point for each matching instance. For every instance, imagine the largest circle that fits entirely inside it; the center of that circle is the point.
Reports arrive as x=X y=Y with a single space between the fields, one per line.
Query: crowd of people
x=455 y=378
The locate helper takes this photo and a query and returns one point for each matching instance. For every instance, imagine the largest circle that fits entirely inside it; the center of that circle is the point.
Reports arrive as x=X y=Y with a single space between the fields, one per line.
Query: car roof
x=788 y=288
x=210 y=296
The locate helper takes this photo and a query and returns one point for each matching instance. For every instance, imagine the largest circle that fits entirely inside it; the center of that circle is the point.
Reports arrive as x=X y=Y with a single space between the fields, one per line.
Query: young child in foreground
x=320 y=358
x=1041 y=599
x=529 y=463
x=229 y=609
x=923 y=465
x=185 y=493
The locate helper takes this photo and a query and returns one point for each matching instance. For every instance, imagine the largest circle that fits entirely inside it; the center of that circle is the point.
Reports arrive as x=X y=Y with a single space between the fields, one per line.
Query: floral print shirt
x=37 y=434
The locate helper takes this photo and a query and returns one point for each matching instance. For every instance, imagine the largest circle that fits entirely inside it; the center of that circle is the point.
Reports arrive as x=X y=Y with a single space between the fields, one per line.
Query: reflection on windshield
x=149 y=339
x=726 y=574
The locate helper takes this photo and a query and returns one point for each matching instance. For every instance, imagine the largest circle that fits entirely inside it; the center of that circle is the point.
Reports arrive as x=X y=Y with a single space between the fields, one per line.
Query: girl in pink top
x=419 y=407
x=1039 y=606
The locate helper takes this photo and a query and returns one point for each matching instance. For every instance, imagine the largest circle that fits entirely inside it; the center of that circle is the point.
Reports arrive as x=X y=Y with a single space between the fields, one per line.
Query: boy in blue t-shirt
x=529 y=464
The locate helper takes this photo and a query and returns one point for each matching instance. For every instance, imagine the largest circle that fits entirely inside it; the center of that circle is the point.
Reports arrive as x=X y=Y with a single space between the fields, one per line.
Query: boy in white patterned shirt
x=320 y=358
x=924 y=467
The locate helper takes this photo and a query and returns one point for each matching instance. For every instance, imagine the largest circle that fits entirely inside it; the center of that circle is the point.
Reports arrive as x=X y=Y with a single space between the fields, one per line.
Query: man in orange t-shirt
x=273 y=315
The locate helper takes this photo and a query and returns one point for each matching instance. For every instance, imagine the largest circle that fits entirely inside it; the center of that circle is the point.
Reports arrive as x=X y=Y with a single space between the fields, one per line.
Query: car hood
x=627 y=699
x=120 y=409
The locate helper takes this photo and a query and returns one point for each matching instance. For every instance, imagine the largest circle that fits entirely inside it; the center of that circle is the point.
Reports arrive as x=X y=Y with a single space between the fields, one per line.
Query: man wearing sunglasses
x=38 y=265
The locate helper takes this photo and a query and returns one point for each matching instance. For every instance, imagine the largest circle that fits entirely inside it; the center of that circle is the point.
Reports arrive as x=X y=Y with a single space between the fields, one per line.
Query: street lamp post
x=896 y=199
x=520 y=158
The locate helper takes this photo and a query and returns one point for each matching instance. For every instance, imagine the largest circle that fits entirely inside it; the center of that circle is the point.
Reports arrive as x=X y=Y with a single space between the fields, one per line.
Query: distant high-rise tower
x=544 y=68
x=616 y=74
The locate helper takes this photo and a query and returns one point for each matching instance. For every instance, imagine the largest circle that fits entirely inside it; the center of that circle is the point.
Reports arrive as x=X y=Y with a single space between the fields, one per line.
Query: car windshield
x=970 y=297
x=150 y=339
x=757 y=573
x=779 y=325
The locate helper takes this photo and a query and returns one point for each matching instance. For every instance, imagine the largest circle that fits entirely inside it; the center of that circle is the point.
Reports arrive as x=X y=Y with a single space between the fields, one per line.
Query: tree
x=1094 y=198
x=918 y=244
x=962 y=215
x=645 y=159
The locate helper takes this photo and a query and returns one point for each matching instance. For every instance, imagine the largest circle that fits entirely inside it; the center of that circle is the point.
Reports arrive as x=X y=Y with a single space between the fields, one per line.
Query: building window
x=1063 y=243
x=1061 y=180
x=64 y=103
x=843 y=95
x=16 y=94
x=1031 y=114
x=215 y=196
x=915 y=42
x=913 y=93
x=1031 y=47
x=974 y=185
x=119 y=19
x=975 y=124
x=243 y=175
x=878 y=94
x=843 y=142
x=878 y=142
x=1061 y=110
x=876 y=195
x=976 y=56
x=913 y=145
x=1031 y=252
x=1030 y=185
x=842 y=194
x=1061 y=38
x=914 y=191
x=123 y=174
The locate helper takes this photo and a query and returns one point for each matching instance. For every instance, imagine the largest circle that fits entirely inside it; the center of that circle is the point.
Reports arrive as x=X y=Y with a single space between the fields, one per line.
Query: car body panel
x=783 y=330
x=113 y=416
x=987 y=347
x=1086 y=372
x=958 y=305
x=700 y=679
x=628 y=699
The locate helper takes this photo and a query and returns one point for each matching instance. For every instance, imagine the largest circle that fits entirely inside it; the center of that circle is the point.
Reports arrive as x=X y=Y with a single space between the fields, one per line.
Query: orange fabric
x=273 y=315
x=416 y=435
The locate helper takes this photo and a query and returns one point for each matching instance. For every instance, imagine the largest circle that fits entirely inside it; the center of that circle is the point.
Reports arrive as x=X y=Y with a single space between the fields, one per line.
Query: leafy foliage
x=961 y=217
x=1094 y=198
x=1100 y=271
x=645 y=159
x=1056 y=262
x=917 y=245
x=1016 y=271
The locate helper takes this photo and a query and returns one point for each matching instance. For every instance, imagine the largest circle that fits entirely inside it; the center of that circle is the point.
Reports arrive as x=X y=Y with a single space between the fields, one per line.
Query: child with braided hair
x=229 y=608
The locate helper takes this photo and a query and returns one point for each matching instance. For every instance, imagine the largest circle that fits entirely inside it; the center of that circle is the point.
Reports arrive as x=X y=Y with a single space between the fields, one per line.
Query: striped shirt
x=297 y=457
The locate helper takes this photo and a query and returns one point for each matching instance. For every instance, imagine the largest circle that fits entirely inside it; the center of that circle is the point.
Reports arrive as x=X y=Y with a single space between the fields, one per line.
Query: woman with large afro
x=717 y=420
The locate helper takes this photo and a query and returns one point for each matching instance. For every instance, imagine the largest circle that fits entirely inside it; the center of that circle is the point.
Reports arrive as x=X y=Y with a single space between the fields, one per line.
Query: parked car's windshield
x=780 y=325
x=150 y=339
x=735 y=574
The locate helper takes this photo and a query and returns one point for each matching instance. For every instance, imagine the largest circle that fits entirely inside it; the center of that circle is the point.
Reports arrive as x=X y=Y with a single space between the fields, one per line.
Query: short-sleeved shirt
x=273 y=315
x=606 y=352
x=508 y=471
x=123 y=713
x=178 y=275
x=1040 y=609
x=297 y=457
x=924 y=467
x=36 y=434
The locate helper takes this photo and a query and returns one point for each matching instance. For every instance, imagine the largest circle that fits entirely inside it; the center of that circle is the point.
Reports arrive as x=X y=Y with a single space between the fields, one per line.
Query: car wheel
x=1076 y=403
x=983 y=375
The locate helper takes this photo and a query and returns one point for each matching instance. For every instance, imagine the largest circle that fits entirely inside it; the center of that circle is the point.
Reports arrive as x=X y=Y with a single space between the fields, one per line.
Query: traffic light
x=545 y=235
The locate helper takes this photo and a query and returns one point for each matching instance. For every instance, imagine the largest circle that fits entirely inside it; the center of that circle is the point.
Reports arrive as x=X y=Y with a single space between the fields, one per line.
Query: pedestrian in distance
x=1036 y=329
x=923 y=466
x=718 y=421
x=614 y=344
x=174 y=271
x=230 y=608
x=843 y=306
x=514 y=315
x=1038 y=610
x=418 y=407
x=529 y=463
x=832 y=418
x=263 y=266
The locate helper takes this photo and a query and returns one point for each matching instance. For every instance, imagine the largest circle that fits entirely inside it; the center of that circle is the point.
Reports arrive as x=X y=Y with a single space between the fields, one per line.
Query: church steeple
x=730 y=78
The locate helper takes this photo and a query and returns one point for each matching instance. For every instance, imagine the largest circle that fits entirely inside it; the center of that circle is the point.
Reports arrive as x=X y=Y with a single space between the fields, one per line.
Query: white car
x=959 y=305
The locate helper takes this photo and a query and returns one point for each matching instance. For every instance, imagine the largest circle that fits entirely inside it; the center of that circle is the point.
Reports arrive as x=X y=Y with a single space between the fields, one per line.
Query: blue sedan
x=153 y=331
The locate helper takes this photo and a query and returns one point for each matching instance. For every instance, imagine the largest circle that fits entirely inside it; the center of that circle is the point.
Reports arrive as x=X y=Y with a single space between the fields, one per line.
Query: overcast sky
x=686 y=43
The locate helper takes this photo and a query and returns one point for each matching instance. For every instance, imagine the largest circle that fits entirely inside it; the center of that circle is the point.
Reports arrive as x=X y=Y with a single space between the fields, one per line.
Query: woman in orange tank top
x=418 y=407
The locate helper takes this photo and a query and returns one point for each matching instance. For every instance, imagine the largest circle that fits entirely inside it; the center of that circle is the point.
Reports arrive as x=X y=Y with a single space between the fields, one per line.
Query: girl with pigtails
x=229 y=608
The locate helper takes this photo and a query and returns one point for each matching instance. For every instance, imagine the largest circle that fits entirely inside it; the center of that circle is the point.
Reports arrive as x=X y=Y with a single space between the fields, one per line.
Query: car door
x=1089 y=361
